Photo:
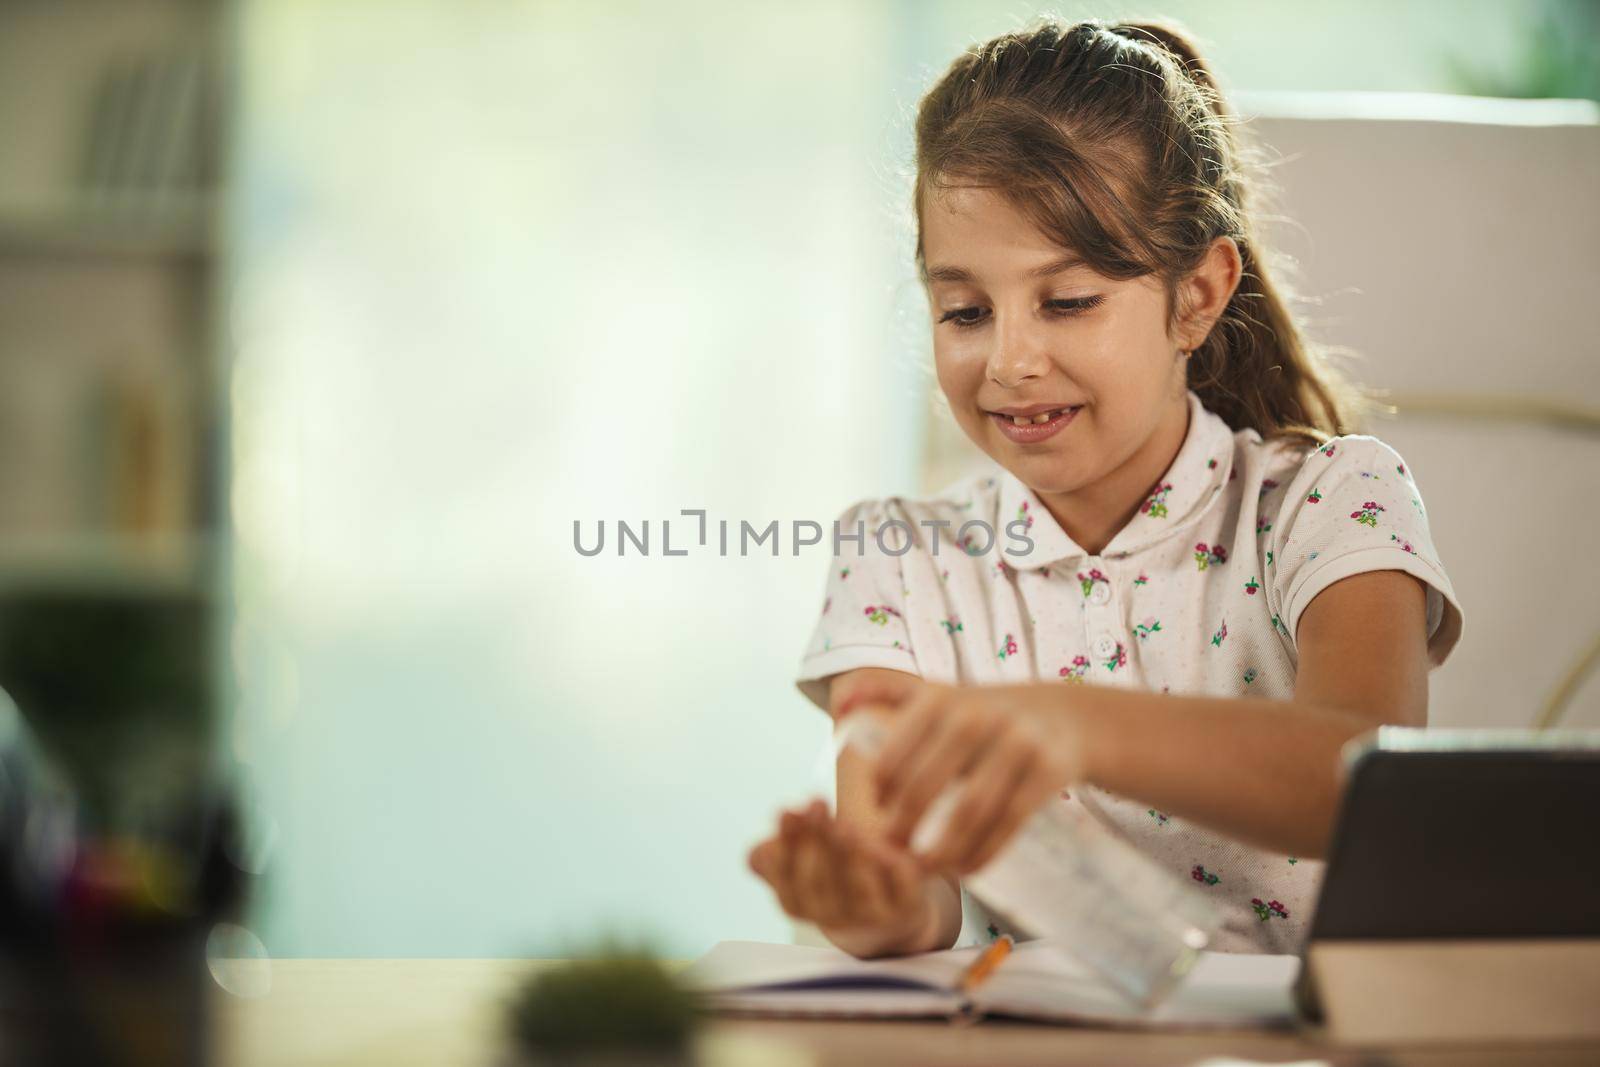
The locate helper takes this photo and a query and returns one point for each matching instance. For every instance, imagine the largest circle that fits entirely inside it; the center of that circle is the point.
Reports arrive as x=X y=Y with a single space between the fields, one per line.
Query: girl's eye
x=968 y=317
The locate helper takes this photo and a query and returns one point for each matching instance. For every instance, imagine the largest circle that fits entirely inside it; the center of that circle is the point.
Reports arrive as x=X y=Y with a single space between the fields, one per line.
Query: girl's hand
x=833 y=874
x=1014 y=747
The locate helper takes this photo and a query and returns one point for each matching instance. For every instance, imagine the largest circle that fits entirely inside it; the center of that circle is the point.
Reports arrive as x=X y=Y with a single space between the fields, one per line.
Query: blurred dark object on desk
x=119 y=840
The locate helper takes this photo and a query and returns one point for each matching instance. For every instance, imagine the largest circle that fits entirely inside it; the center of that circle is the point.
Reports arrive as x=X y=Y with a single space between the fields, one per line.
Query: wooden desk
x=390 y=1013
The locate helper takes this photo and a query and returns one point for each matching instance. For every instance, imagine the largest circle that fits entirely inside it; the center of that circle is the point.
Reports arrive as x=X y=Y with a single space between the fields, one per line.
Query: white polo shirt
x=1200 y=593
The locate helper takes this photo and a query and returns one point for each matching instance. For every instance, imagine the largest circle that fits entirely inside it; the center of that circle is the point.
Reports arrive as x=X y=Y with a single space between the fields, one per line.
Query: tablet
x=1463 y=835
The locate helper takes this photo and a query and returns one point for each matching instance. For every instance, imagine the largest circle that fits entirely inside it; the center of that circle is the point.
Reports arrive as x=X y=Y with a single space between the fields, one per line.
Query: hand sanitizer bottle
x=1067 y=877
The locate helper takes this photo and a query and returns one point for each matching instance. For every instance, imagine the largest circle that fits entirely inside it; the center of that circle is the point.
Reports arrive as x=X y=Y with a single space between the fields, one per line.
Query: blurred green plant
x=618 y=1004
x=1559 y=57
x=116 y=684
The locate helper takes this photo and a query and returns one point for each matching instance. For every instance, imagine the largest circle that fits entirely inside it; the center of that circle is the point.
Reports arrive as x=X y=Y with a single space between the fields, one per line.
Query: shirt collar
x=1199 y=472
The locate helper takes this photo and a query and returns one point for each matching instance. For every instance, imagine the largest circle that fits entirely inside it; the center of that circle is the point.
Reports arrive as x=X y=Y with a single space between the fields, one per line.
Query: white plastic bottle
x=1071 y=879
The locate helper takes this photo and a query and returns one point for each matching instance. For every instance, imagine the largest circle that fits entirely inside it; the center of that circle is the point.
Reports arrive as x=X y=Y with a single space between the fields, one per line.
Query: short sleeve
x=863 y=622
x=1353 y=507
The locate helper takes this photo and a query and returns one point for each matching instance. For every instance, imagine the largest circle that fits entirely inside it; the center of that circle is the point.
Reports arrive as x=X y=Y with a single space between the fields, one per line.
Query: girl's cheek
x=957 y=388
x=960 y=369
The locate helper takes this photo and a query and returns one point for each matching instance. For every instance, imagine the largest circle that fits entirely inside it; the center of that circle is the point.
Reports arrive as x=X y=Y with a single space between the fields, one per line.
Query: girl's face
x=1019 y=331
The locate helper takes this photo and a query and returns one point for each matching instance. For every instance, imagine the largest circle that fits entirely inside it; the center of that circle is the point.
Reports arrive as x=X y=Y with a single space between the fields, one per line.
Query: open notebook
x=1036 y=981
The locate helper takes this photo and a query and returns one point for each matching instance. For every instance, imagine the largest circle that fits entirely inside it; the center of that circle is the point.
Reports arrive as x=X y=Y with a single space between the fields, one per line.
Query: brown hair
x=1115 y=140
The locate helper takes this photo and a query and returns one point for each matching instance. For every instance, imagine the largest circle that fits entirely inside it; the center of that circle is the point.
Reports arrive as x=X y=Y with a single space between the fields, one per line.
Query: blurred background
x=321 y=323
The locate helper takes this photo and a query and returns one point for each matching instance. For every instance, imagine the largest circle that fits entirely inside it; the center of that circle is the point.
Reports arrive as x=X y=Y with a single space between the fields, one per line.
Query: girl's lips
x=1034 y=432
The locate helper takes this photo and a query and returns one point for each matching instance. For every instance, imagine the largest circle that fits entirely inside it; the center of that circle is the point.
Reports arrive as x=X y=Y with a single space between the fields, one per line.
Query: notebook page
x=744 y=965
x=1038 y=980
x=1223 y=990
x=841 y=1003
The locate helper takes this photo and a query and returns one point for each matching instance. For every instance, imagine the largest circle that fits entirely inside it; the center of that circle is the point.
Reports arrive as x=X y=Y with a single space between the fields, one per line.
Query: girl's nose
x=1009 y=380
x=1018 y=356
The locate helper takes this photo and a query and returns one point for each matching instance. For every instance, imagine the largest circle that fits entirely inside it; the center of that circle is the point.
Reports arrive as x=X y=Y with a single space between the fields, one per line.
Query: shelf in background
x=164 y=564
x=90 y=230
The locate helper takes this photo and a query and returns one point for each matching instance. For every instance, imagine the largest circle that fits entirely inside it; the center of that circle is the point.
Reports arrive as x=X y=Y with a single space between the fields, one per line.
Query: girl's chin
x=1040 y=471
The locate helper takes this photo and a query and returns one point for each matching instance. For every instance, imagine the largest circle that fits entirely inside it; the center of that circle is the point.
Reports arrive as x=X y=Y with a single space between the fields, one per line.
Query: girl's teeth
x=1037 y=420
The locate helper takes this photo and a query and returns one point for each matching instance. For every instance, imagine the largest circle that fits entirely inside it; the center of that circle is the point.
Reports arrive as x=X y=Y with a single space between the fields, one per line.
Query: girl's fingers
x=833 y=904
x=983 y=800
x=783 y=880
x=763 y=858
x=1030 y=795
x=809 y=872
x=906 y=734
x=830 y=872
x=956 y=742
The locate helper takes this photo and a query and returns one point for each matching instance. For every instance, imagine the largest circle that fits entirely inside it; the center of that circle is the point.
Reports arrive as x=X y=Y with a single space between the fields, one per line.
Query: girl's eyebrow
x=951 y=273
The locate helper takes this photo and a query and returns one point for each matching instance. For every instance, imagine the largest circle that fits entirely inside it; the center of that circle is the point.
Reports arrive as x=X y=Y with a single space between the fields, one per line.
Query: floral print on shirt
x=1269 y=910
x=1155 y=505
x=1367 y=513
x=1075 y=671
x=1087 y=581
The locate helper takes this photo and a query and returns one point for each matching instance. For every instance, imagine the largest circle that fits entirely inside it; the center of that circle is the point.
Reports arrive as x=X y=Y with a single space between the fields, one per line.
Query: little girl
x=1188 y=584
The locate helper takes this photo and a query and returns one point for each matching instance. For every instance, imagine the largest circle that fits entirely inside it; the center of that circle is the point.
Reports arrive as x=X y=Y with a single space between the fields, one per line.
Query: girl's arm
x=1264 y=772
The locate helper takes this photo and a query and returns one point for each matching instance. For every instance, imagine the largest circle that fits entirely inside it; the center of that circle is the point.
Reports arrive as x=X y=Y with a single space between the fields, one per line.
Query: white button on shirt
x=1200 y=593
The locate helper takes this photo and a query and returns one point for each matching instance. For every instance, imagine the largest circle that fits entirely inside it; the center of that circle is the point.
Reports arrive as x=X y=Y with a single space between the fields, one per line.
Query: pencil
x=986 y=963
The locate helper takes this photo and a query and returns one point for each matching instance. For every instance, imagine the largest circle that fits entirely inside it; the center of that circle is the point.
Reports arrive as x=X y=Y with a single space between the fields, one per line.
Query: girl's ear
x=1204 y=293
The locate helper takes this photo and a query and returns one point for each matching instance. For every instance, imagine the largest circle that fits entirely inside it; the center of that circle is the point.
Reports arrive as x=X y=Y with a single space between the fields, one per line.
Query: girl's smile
x=1034 y=423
